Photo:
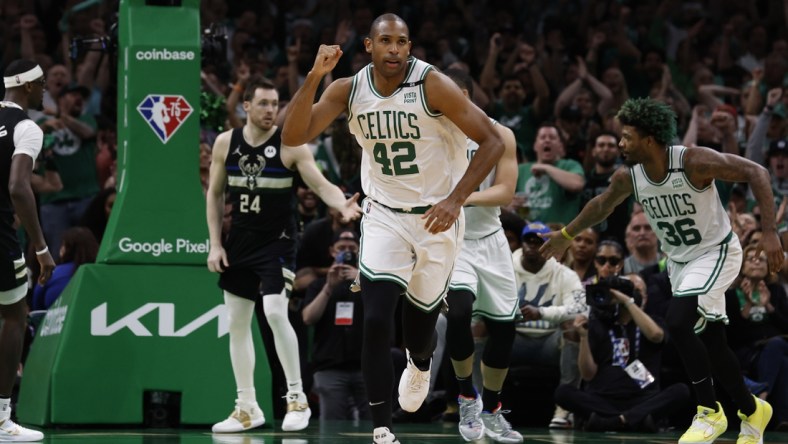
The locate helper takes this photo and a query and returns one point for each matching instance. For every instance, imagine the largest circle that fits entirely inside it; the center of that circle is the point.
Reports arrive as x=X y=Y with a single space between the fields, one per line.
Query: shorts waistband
x=413 y=210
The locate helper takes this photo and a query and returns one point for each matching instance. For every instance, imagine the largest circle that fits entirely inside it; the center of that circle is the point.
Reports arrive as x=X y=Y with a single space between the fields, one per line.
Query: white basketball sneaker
x=245 y=416
x=413 y=386
x=382 y=435
x=298 y=412
x=12 y=432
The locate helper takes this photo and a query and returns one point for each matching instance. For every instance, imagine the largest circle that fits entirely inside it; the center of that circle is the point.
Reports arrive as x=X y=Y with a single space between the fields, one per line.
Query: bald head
x=388 y=17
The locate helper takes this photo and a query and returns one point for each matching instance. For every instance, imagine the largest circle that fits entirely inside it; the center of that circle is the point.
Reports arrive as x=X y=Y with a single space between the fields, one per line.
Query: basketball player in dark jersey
x=256 y=258
x=20 y=143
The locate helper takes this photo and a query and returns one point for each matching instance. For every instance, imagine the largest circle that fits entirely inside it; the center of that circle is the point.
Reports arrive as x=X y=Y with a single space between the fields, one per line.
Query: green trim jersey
x=412 y=156
x=481 y=221
x=261 y=188
x=687 y=221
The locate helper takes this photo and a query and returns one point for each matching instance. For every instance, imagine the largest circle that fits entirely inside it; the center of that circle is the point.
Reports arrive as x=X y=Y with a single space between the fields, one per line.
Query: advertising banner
x=119 y=331
x=159 y=212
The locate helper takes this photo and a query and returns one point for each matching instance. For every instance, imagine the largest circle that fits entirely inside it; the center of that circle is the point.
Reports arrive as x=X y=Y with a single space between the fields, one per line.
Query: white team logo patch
x=678 y=183
x=251 y=167
x=270 y=151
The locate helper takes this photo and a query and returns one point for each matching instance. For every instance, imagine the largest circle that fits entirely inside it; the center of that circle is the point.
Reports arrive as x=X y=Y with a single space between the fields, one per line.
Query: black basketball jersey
x=10 y=116
x=261 y=188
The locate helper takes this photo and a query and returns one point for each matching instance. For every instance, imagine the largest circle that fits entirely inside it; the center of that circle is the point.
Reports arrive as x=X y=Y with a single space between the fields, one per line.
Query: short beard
x=606 y=163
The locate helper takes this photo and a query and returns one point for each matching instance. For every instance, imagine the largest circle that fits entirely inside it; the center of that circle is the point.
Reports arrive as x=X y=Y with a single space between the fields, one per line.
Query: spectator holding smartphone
x=337 y=314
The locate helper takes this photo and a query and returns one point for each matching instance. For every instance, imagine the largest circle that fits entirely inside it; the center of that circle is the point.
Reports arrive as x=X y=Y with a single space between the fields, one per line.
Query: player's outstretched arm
x=594 y=212
x=329 y=193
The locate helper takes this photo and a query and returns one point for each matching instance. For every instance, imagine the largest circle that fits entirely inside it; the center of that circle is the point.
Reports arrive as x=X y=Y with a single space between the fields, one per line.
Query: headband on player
x=20 y=79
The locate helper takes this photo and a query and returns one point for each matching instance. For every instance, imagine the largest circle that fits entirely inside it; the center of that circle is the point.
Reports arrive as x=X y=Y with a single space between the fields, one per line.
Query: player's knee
x=500 y=331
x=239 y=312
x=681 y=317
x=275 y=309
x=498 y=350
x=460 y=309
x=714 y=337
x=679 y=327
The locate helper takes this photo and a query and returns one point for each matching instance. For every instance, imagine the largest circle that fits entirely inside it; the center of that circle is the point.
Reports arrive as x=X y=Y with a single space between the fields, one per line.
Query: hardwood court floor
x=341 y=432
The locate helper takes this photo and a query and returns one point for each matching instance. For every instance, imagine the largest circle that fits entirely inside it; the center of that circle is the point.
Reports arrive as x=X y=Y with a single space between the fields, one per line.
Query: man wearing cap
x=71 y=137
x=550 y=294
x=337 y=314
x=20 y=144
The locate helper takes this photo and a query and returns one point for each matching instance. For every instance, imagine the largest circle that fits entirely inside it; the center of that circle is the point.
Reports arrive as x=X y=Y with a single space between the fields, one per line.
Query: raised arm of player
x=304 y=119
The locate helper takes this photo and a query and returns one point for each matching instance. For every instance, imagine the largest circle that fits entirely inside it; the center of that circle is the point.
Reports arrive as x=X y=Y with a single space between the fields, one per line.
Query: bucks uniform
x=260 y=245
x=412 y=158
x=18 y=136
x=484 y=266
x=695 y=233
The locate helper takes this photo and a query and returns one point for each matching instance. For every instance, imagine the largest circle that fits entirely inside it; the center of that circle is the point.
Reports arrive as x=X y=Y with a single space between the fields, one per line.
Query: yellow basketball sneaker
x=752 y=426
x=706 y=426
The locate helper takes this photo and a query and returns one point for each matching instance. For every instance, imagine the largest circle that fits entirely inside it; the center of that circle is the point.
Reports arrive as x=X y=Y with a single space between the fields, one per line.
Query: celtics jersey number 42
x=412 y=156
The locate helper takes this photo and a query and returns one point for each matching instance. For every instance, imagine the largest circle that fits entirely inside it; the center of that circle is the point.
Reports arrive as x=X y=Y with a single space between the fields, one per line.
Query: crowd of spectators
x=555 y=72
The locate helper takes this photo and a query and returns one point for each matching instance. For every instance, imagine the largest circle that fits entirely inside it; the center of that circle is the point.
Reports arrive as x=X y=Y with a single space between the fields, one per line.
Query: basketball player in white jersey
x=675 y=187
x=483 y=285
x=409 y=119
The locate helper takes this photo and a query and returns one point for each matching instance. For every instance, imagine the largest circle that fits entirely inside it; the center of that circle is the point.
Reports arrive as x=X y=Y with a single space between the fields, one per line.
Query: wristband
x=238 y=88
x=43 y=251
x=566 y=234
x=630 y=301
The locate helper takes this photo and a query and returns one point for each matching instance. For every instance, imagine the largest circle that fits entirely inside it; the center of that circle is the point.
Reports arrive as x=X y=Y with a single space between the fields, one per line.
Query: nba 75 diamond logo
x=164 y=113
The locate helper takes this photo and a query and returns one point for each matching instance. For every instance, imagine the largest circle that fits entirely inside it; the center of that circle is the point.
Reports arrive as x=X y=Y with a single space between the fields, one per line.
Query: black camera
x=347 y=258
x=598 y=295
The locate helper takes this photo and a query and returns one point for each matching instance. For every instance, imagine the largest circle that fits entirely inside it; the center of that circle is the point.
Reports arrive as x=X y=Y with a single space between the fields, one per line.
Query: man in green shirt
x=552 y=185
x=71 y=137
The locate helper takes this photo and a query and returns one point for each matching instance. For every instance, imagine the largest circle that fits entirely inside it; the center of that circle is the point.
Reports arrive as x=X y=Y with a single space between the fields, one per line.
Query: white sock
x=275 y=308
x=294 y=386
x=239 y=314
x=5 y=409
x=247 y=395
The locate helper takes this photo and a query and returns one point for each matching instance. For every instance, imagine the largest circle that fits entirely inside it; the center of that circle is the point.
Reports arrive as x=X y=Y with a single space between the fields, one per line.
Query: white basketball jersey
x=481 y=221
x=412 y=156
x=687 y=221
